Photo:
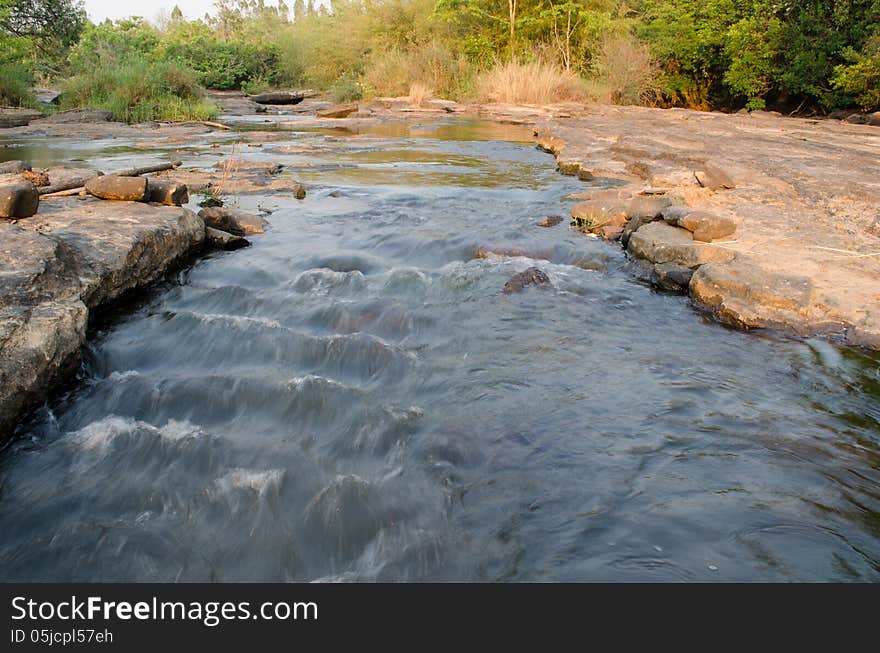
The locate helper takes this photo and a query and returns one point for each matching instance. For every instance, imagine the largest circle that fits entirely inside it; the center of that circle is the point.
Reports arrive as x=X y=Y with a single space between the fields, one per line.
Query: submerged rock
x=550 y=221
x=18 y=200
x=530 y=277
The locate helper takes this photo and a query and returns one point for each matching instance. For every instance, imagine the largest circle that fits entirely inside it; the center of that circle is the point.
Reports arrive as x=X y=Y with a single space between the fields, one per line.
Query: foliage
x=859 y=78
x=346 y=89
x=15 y=85
x=536 y=82
x=136 y=89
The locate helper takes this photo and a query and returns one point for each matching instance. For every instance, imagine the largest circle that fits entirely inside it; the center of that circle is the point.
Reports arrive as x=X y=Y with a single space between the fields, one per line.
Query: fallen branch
x=206 y=123
x=64 y=193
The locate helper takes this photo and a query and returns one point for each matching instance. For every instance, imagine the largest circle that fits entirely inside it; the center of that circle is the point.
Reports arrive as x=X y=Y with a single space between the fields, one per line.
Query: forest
x=806 y=56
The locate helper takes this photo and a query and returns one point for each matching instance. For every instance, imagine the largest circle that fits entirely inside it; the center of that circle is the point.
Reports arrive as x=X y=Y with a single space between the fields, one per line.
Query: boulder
x=633 y=225
x=18 y=200
x=217 y=239
x=591 y=214
x=529 y=277
x=13 y=167
x=672 y=276
x=167 y=191
x=647 y=206
x=338 y=111
x=278 y=97
x=112 y=187
x=550 y=221
x=857 y=119
x=239 y=223
x=714 y=178
x=874 y=119
x=78 y=116
x=705 y=226
x=14 y=117
x=659 y=242
x=745 y=295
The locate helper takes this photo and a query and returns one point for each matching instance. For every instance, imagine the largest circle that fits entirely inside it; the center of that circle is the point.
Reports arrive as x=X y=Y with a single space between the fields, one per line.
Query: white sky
x=98 y=10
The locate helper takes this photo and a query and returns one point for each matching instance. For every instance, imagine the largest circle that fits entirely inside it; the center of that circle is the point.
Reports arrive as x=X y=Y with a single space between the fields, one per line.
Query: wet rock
x=672 y=276
x=550 y=221
x=78 y=116
x=874 y=119
x=610 y=232
x=529 y=277
x=745 y=295
x=14 y=117
x=659 y=242
x=278 y=97
x=216 y=239
x=111 y=187
x=585 y=175
x=632 y=225
x=13 y=167
x=236 y=222
x=72 y=257
x=338 y=111
x=570 y=168
x=166 y=191
x=18 y=200
x=714 y=178
x=705 y=226
x=647 y=206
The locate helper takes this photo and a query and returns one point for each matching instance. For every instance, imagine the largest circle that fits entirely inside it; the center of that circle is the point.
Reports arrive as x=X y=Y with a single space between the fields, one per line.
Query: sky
x=98 y=10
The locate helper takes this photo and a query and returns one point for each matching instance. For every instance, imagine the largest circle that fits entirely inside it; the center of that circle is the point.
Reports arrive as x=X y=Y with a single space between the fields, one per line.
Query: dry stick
x=132 y=172
x=206 y=123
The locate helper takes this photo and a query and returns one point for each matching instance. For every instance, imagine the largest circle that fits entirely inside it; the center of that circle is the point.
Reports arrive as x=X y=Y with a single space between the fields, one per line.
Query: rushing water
x=353 y=397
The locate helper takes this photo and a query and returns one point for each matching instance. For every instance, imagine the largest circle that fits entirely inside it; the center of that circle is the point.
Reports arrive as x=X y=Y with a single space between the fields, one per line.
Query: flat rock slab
x=338 y=111
x=13 y=167
x=250 y=165
x=76 y=255
x=745 y=295
x=77 y=116
x=659 y=242
x=246 y=183
x=218 y=239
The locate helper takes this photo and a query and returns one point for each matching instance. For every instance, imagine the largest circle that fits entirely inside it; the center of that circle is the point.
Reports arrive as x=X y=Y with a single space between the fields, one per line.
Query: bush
x=224 y=65
x=346 y=89
x=536 y=82
x=138 y=90
x=15 y=85
x=860 y=79
x=111 y=42
x=627 y=72
x=433 y=65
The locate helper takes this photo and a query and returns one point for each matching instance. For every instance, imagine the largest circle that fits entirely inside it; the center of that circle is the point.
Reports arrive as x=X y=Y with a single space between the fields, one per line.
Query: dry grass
x=419 y=93
x=625 y=73
x=537 y=82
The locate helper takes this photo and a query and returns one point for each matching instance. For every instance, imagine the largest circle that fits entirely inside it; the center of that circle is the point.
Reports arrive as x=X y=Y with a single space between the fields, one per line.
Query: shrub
x=138 y=90
x=860 y=78
x=433 y=65
x=346 y=89
x=537 y=82
x=224 y=65
x=15 y=85
x=626 y=71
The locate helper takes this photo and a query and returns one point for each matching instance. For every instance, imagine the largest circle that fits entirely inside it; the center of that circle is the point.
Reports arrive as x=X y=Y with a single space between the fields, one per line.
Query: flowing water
x=353 y=398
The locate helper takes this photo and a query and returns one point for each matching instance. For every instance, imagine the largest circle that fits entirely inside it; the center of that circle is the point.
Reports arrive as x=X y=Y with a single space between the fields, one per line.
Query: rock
x=659 y=242
x=217 y=239
x=857 y=119
x=647 y=206
x=672 y=276
x=338 y=111
x=550 y=221
x=706 y=227
x=73 y=257
x=18 y=200
x=874 y=119
x=714 y=178
x=278 y=97
x=14 y=117
x=167 y=191
x=13 y=167
x=570 y=168
x=585 y=175
x=299 y=192
x=506 y=252
x=78 y=116
x=249 y=165
x=111 y=187
x=632 y=226
x=610 y=232
x=745 y=295
x=59 y=175
x=529 y=277
x=236 y=222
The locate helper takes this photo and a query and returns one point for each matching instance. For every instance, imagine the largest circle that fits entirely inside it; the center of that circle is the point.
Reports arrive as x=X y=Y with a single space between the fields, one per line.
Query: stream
x=354 y=398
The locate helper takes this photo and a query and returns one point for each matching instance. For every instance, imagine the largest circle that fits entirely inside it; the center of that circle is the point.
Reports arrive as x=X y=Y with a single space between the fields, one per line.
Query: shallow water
x=353 y=398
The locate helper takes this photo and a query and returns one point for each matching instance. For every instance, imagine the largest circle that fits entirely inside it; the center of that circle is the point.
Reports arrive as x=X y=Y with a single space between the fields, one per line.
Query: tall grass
x=136 y=90
x=433 y=66
x=535 y=82
x=625 y=73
